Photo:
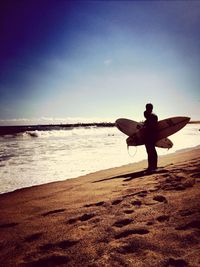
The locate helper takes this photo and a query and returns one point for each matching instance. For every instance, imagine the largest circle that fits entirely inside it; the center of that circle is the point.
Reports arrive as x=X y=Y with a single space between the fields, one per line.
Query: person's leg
x=152 y=156
x=148 y=149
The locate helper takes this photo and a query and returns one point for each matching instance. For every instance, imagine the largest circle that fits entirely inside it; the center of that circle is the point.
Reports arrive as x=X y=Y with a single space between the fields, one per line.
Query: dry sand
x=116 y=217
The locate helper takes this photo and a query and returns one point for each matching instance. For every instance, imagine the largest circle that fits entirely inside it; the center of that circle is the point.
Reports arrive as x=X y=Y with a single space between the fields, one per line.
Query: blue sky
x=98 y=59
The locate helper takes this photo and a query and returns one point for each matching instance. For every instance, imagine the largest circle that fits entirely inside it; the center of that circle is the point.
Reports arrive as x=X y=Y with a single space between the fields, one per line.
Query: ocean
x=38 y=157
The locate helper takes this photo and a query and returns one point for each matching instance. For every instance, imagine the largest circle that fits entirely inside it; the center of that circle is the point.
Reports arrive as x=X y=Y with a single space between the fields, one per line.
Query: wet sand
x=116 y=217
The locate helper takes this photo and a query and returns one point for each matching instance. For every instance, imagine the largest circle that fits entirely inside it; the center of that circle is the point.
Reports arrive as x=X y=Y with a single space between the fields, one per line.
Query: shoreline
x=103 y=170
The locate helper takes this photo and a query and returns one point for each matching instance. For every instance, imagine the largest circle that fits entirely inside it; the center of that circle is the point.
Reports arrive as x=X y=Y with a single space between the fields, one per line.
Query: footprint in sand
x=184 y=213
x=101 y=203
x=84 y=217
x=193 y=224
x=160 y=198
x=47 y=247
x=156 y=188
x=176 y=263
x=52 y=212
x=163 y=218
x=116 y=202
x=33 y=237
x=128 y=211
x=122 y=223
x=8 y=225
x=54 y=260
x=142 y=193
x=65 y=244
x=72 y=220
x=138 y=231
x=137 y=203
x=150 y=223
x=134 y=246
x=178 y=183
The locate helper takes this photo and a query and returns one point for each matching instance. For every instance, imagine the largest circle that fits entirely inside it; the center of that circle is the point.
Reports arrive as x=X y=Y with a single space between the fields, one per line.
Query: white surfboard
x=170 y=126
x=163 y=143
x=165 y=128
x=130 y=127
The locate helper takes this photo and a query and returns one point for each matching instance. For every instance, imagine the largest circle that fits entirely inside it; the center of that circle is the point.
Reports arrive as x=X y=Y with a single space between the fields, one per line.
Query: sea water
x=39 y=157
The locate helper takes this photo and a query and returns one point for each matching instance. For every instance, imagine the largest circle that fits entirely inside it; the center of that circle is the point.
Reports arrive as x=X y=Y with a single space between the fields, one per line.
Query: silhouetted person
x=150 y=136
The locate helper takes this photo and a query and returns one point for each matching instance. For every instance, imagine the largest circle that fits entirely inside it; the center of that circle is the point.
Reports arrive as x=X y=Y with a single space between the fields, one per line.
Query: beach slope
x=116 y=217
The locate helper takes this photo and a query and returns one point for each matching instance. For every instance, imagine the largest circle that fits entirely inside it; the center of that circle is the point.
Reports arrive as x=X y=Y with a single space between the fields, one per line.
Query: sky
x=98 y=60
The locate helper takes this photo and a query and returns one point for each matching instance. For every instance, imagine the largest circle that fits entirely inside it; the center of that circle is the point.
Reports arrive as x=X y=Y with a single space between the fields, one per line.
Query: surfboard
x=130 y=127
x=165 y=128
x=163 y=143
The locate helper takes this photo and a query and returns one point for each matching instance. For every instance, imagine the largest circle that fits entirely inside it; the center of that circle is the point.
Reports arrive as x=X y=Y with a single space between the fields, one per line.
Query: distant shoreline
x=194 y=122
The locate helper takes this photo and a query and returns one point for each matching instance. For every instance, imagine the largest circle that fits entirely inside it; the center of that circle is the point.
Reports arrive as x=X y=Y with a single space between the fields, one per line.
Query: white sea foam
x=38 y=157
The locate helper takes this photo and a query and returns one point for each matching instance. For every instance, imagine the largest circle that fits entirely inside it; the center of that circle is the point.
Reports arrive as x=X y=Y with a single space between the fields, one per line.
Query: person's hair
x=149 y=107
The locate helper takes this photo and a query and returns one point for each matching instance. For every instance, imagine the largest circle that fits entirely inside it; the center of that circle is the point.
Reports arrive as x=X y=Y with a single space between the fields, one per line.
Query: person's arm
x=154 y=122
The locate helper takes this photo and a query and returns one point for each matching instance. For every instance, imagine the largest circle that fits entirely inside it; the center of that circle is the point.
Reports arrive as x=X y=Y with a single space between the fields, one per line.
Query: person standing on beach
x=150 y=132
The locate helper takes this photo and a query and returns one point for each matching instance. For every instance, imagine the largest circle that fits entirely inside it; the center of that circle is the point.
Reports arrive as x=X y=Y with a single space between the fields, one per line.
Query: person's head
x=149 y=107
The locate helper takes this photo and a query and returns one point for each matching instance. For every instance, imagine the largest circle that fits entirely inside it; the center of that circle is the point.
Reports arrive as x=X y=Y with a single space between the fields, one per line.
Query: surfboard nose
x=188 y=118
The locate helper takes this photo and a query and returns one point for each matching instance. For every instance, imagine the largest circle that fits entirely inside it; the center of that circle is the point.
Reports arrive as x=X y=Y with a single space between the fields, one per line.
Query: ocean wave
x=33 y=134
x=11 y=130
x=37 y=157
x=86 y=131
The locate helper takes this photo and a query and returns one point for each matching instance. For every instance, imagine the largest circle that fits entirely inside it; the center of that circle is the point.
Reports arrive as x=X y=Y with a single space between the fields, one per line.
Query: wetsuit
x=150 y=139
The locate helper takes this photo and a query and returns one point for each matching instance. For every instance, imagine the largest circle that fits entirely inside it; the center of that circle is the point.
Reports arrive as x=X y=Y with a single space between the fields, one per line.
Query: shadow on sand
x=133 y=175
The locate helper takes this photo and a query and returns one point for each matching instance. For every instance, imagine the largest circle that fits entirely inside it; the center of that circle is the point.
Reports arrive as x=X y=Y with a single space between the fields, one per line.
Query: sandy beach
x=114 y=217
